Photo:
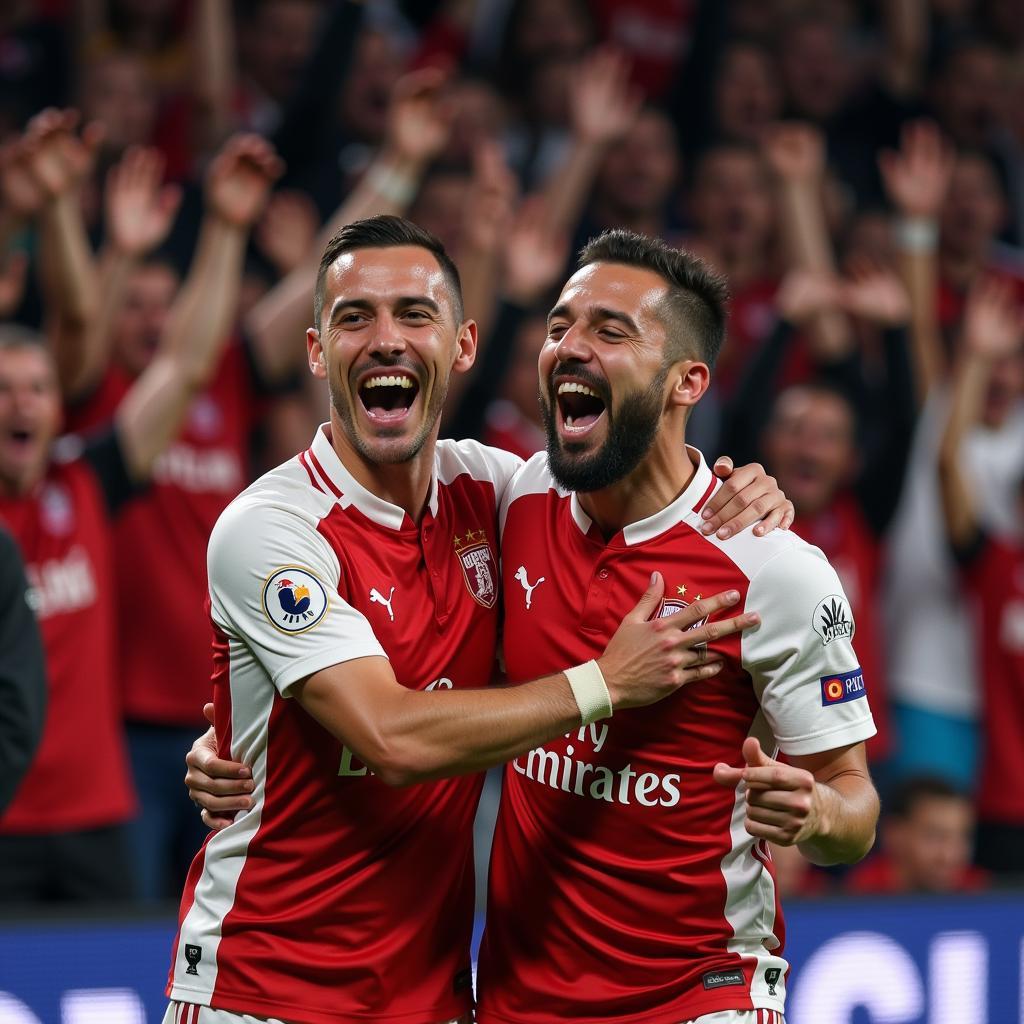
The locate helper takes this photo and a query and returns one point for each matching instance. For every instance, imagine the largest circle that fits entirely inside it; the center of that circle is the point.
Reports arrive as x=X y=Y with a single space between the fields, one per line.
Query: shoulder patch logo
x=294 y=599
x=832 y=619
x=841 y=688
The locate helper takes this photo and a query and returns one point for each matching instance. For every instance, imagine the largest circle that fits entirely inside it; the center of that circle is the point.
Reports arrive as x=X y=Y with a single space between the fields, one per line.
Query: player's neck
x=404 y=484
x=664 y=473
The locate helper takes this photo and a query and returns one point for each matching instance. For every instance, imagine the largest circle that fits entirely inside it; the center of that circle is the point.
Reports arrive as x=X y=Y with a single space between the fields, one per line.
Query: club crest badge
x=478 y=566
x=832 y=620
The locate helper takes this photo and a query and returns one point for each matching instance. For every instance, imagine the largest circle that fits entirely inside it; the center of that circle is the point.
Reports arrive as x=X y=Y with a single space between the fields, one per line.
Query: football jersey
x=79 y=776
x=160 y=542
x=337 y=898
x=623 y=884
x=995 y=579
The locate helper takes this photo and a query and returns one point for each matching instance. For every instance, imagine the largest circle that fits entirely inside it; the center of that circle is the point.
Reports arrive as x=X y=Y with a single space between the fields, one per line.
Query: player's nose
x=573 y=346
x=387 y=337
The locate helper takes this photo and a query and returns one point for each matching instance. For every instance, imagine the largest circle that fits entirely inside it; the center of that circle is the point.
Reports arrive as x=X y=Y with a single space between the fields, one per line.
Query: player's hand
x=782 y=801
x=648 y=659
x=140 y=209
x=240 y=177
x=219 y=788
x=749 y=494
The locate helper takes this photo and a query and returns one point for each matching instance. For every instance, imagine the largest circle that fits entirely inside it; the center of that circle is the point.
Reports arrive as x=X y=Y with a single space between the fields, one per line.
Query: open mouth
x=19 y=437
x=580 y=407
x=388 y=397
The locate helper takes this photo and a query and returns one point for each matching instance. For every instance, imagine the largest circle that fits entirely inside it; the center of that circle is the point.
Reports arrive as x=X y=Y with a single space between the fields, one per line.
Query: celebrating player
x=352 y=579
x=644 y=839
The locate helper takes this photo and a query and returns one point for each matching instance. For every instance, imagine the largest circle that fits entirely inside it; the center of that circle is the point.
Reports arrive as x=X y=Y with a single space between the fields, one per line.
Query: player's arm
x=407 y=736
x=204 y=312
x=825 y=802
x=992 y=330
x=814 y=700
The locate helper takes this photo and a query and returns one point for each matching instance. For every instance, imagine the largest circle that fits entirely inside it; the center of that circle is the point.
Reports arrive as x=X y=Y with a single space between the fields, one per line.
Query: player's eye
x=557 y=330
x=415 y=314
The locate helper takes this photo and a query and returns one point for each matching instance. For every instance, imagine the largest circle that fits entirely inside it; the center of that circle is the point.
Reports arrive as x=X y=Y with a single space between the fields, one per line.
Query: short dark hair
x=386 y=232
x=905 y=796
x=696 y=307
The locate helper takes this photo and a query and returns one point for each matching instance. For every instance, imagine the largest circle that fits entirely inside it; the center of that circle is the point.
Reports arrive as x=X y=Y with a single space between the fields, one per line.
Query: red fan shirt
x=623 y=885
x=79 y=778
x=995 y=577
x=337 y=898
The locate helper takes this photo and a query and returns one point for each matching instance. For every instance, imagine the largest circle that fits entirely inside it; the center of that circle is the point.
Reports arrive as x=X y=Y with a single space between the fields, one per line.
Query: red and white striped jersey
x=337 y=898
x=623 y=884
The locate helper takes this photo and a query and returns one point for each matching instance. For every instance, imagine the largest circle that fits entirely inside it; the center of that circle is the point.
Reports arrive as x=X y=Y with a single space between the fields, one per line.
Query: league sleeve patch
x=294 y=599
x=832 y=619
x=840 y=689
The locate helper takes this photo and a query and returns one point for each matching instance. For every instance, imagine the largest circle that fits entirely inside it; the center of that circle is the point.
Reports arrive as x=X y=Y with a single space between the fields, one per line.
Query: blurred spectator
x=991 y=561
x=22 y=672
x=925 y=838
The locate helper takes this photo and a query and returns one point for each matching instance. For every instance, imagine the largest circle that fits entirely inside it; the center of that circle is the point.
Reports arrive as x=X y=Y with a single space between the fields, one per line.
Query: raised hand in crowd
x=917 y=175
x=13 y=276
x=239 y=179
x=139 y=207
x=602 y=107
x=535 y=254
x=286 y=233
x=419 y=118
x=796 y=153
x=874 y=294
x=916 y=179
x=993 y=322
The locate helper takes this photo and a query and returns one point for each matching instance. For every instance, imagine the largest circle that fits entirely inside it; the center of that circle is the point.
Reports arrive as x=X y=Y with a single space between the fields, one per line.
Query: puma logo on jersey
x=527 y=586
x=378 y=598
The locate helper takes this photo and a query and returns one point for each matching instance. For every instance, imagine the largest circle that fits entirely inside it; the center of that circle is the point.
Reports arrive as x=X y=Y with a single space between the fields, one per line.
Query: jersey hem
x=255 y=1006
x=295 y=671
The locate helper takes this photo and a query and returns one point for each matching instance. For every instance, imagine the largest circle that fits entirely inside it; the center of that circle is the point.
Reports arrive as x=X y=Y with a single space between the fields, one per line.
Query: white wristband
x=590 y=691
x=917 y=234
x=394 y=185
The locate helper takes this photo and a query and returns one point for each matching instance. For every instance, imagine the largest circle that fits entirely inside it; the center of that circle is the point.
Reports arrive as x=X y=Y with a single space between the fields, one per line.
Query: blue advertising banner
x=897 y=961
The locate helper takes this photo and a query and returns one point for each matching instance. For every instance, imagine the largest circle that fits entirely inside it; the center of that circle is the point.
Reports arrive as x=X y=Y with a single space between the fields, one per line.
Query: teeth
x=569 y=386
x=389 y=382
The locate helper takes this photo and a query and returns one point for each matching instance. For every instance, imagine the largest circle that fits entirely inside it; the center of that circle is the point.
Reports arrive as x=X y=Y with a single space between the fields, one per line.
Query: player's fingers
x=778 y=776
x=650 y=600
x=727 y=776
x=217 y=768
x=216 y=821
x=784 y=820
x=774 y=834
x=735 y=482
x=775 y=519
x=697 y=672
x=754 y=502
x=702 y=609
x=199 y=781
x=780 y=801
x=693 y=639
x=221 y=804
x=208 y=712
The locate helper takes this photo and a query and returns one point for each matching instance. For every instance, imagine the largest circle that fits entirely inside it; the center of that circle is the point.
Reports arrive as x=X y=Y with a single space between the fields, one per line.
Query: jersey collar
x=697 y=491
x=331 y=471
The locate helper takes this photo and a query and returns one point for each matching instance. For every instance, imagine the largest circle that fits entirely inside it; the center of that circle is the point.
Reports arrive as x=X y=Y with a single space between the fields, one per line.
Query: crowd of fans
x=170 y=171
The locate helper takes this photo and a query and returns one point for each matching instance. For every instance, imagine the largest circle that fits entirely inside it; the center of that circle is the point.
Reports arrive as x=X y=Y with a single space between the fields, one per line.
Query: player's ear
x=689 y=381
x=315 y=353
x=465 y=347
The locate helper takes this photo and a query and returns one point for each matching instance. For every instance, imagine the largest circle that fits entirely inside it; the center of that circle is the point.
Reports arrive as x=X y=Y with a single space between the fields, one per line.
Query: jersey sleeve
x=801 y=658
x=274 y=586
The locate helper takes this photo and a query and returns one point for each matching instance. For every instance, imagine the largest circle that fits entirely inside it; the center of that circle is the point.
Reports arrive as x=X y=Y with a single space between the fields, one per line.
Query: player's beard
x=342 y=401
x=631 y=431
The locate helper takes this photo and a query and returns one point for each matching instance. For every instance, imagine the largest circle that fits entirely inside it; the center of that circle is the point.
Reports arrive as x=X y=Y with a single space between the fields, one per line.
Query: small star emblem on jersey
x=681 y=590
x=478 y=566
